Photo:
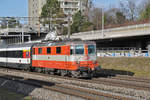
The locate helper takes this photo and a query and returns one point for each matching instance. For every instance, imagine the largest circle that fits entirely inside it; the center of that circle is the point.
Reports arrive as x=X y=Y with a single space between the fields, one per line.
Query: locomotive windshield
x=79 y=49
x=91 y=49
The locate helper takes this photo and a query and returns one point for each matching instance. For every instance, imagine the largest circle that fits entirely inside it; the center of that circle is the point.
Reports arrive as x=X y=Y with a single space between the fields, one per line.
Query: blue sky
x=15 y=8
x=18 y=8
x=106 y=3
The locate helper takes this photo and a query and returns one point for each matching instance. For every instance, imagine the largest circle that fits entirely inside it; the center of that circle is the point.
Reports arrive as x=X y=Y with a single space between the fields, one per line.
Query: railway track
x=131 y=78
x=82 y=82
x=66 y=89
x=133 y=84
x=108 y=81
x=120 y=81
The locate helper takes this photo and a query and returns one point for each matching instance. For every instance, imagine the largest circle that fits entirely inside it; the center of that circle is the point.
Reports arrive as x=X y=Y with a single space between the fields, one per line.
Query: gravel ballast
x=141 y=94
x=35 y=92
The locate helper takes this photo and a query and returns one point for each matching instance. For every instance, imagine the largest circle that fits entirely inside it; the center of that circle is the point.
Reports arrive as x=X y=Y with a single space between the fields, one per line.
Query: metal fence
x=123 y=53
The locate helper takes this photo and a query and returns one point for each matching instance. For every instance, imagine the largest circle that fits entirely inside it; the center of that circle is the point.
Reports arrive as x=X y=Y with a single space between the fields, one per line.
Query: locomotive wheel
x=46 y=72
x=75 y=74
x=39 y=70
x=63 y=72
x=51 y=72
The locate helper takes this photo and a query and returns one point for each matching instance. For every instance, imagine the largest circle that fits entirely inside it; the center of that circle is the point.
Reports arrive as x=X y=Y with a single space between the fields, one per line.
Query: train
x=75 y=58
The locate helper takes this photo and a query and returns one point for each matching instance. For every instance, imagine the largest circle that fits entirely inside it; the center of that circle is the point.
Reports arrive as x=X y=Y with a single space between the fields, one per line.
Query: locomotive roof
x=61 y=43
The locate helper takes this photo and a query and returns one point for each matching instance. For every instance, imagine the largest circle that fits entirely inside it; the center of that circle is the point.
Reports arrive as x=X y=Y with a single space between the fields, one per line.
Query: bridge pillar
x=148 y=45
x=2 y=42
x=139 y=44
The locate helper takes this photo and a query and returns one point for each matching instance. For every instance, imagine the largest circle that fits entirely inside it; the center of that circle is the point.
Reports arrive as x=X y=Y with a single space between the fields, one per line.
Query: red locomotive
x=67 y=58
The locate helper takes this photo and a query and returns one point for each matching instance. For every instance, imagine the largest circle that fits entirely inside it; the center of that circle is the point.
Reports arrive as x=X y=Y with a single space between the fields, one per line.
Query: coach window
x=1 y=54
x=58 y=50
x=40 y=51
x=49 y=50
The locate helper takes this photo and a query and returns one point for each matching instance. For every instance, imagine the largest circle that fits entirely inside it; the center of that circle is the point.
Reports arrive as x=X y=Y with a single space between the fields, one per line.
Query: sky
x=13 y=8
x=105 y=3
x=19 y=8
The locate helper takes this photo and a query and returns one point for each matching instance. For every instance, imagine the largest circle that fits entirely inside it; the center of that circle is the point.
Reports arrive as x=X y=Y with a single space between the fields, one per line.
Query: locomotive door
x=67 y=57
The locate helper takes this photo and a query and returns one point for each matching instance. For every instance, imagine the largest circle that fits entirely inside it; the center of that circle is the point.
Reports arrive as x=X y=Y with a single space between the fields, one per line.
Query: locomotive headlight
x=77 y=62
x=93 y=69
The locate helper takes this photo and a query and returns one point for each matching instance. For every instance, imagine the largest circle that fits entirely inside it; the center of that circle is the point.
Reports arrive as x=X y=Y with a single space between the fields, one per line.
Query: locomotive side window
x=58 y=50
x=79 y=49
x=49 y=50
x=91 y=49
x=71 y=50
x=39 y=50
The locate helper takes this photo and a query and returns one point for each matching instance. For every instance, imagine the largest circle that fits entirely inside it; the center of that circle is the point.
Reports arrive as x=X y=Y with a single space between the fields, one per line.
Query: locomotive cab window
x=91 y=49
x=40 y=51
x=79 y=49
x=58 y=50
x=49 y=50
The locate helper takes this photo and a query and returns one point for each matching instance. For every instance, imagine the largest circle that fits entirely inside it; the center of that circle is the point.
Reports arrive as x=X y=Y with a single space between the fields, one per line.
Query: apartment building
x=68 y=6
x=34 y=11
x=72 y=6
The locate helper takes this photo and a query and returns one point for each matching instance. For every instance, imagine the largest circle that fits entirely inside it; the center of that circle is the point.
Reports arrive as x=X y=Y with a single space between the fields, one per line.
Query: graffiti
x=122 y=53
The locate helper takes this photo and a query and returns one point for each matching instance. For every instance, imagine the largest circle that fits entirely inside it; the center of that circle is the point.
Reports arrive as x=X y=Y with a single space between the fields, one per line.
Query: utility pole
x=7 y=27
x=22 y=35
x=39 y=27
x=69 y=27
x=102 y=22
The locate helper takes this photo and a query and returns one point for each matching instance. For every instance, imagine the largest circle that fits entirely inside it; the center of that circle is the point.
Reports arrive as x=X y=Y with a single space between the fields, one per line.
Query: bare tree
x=110 y=17
x=96 y=17
x=143 y=5
x=88 y=5
x=130 y=9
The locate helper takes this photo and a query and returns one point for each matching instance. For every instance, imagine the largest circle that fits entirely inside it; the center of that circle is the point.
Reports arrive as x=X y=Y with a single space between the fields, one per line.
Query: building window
x=49 y=50
x=58 y=50
x=65 y=3
x=40 y=51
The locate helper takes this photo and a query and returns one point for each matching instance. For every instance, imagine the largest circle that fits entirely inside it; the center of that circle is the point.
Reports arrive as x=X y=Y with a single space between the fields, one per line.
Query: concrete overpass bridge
x=136 y=36
x=120 y=32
